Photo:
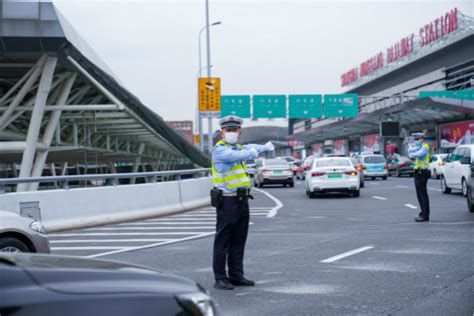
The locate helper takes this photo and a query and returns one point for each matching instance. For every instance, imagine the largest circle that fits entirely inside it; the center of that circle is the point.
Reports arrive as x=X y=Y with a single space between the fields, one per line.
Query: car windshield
x=276 y=162
x=333 y=163
x=374 y=159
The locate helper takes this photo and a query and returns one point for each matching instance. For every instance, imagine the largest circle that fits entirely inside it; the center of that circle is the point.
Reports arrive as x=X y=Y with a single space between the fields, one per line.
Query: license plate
x=277 y=172
x=335 y=176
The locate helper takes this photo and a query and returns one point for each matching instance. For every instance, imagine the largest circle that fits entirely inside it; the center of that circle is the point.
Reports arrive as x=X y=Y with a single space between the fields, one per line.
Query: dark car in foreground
x=33 y=284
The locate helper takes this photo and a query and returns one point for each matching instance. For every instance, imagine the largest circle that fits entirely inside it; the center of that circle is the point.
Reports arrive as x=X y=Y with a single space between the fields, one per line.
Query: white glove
x=253 y=153
x=270 y=146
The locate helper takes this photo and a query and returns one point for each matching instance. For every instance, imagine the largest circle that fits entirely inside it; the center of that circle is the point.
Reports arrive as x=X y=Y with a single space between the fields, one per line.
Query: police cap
x=231 y=121
x=418 y=135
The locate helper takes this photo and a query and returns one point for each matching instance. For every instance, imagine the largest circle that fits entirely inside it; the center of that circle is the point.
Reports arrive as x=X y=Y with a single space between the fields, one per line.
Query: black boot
x=223 y=284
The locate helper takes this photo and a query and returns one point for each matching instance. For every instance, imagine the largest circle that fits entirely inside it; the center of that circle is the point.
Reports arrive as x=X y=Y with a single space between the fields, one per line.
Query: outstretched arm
x=227 y=155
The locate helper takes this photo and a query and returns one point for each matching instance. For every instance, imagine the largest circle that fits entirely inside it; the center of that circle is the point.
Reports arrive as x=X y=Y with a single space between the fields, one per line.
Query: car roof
x=333 y=158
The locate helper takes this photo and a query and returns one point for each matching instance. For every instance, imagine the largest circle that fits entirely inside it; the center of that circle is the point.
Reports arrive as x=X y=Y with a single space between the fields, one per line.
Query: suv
x=457 y=170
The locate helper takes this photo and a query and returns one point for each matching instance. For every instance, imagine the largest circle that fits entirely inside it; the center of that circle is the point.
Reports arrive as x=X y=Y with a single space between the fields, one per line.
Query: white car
x=457 y=171
x=337 y=174
x=437 y=165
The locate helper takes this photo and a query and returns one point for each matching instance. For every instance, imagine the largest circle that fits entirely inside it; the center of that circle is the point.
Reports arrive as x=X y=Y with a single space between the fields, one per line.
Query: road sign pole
x=201 y=139
x=209 y=140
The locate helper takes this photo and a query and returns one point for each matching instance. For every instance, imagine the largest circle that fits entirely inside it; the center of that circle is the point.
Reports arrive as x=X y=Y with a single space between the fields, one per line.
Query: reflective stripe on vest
x=236 y=177
x=425 y=163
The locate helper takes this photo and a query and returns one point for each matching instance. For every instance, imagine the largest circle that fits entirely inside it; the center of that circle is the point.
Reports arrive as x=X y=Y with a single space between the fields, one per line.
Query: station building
x=425 y=81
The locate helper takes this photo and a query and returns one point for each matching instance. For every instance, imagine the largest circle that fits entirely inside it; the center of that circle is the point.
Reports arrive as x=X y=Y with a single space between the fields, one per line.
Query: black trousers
x=231 y=235
x=421 y=183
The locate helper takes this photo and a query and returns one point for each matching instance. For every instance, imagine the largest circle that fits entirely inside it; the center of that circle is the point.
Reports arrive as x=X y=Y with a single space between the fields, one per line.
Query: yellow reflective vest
x=236 y=177
x=425 y=163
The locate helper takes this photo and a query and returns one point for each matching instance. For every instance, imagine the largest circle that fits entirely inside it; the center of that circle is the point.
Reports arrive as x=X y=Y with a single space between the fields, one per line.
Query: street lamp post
x=199 y=119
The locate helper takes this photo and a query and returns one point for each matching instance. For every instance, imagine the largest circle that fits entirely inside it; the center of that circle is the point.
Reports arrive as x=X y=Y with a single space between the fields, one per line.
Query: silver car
x=21 y=234
x=273 y=171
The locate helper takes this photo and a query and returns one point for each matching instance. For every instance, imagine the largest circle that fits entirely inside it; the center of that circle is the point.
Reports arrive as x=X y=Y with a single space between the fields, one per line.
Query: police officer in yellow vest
x=230 y=197
x=421 y=153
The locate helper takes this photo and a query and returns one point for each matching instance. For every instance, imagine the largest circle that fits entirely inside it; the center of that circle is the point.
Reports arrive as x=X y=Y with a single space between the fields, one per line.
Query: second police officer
x=421 y=153
x=230 y=197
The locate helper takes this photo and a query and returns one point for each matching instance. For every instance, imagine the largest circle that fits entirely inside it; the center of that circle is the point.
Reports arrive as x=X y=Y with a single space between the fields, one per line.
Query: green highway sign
x=235 y=105
x=269 y=106
x=305 y=106
x=437 y=94
x=341 y=105
x=465 y=94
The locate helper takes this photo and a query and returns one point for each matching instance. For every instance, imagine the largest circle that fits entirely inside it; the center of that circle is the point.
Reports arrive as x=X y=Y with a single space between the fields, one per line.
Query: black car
x=404 y=166
x=33 y=284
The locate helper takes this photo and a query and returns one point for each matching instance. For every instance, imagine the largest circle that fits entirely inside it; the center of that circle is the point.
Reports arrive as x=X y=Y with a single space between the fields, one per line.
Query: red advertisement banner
x=454 y=134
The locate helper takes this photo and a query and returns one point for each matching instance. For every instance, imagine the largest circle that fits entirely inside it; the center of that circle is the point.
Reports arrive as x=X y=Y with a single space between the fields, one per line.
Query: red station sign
x=428 y=34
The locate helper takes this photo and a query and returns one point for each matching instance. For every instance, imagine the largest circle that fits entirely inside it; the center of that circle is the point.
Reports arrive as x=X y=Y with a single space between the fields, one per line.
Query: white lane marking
x=411 y=206
x=454 y=223
x=148 y=228
x=124 y=234
x=373 y=183
x=346 y=254
x=88 y=248
x=177 y=220
x=274 y=211
x=379 y=197
x=168 y=223
x=196 y=215
x=150 y=245
x=402 y=186
x=77 y=241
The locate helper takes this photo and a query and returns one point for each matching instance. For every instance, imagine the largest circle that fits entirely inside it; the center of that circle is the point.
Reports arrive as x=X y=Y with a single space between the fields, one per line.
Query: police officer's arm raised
x=226 y=154
x=419 y=153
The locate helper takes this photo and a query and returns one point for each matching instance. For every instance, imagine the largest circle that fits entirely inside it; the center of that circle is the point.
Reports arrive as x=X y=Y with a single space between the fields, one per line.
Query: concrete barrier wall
x=86 y=207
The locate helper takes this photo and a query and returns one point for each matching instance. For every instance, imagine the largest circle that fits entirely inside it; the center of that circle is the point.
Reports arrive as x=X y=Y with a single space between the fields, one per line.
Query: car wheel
x=10 y=244
x=373 y=178
x=464 y=187
x=470 y=202
x=307 y=193
x=444 y=187
x=292 y=184
x=356 y=193
x=384 y=178
x=398 y=173
x=312 y=195
x=362 y=184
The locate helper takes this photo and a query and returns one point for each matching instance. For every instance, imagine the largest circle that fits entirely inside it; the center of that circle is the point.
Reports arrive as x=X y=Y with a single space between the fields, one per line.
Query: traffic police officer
x=232 y=184
x=421 y=153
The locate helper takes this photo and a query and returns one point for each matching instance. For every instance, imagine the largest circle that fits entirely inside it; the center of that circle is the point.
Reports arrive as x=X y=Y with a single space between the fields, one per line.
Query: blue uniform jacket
x=225 y=157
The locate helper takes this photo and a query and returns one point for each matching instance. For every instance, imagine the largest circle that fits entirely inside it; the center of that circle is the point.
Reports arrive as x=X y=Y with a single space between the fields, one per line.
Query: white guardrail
x=65 y=209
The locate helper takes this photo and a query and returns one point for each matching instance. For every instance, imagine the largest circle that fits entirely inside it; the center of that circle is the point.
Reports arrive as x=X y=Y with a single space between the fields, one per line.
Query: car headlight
x=37 y=227
x=198 y=304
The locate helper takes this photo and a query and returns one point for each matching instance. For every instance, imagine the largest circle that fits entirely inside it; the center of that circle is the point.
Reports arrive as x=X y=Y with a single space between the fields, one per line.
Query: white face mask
x=231 y=137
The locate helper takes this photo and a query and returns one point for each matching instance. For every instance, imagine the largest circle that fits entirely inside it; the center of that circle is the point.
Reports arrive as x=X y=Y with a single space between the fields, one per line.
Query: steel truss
x=56 y=113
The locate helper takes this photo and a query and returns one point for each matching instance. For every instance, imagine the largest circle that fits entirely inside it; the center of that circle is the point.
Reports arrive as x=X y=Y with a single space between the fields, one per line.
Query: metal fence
x=111 y=179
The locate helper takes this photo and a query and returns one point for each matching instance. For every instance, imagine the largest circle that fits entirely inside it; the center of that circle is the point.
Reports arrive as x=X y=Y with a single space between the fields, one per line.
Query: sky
x=261 y=46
